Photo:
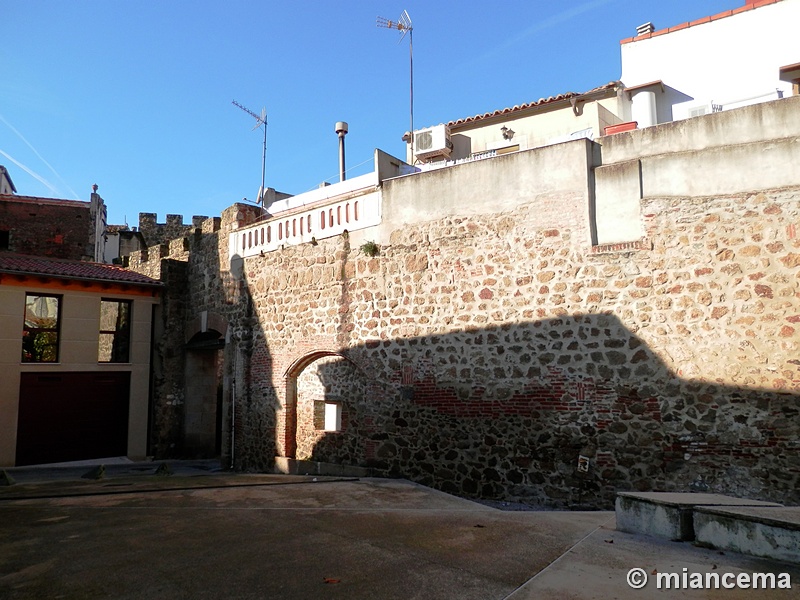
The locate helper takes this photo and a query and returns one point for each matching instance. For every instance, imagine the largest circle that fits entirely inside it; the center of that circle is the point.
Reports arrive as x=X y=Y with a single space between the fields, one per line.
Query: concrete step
x=292 y=466
x=768 y=532
x=670 y=515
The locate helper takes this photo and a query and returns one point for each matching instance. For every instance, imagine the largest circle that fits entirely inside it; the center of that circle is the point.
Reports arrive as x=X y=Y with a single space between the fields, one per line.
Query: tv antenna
x=404 y=26
x=260 y=120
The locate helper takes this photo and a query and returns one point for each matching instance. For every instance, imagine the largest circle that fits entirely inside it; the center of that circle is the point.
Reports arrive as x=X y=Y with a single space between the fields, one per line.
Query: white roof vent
x=645 y=28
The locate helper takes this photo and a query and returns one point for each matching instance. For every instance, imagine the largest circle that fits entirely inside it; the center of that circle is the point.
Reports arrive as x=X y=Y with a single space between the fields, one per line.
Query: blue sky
x=135 y=96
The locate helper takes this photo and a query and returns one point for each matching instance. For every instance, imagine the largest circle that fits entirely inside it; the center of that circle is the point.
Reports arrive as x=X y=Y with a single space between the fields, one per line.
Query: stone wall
x=156 y=233
x=169 y=262
x=483 y=353
x=334 y=380
x=497 y=352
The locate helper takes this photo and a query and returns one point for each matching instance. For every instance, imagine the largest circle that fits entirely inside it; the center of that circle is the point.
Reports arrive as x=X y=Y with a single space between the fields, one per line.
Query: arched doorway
x=324 y=396
x=202 y=421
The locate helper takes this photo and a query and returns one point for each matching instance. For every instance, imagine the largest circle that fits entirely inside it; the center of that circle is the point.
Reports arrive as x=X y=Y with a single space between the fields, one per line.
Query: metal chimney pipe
x=341 y=131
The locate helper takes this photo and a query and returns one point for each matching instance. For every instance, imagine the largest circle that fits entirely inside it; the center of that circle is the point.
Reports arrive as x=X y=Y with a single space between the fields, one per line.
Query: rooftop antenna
x=404 y=25
x=260 y=120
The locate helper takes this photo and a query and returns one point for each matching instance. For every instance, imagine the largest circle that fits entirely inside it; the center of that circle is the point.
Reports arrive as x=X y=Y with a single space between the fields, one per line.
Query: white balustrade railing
x=320 y=221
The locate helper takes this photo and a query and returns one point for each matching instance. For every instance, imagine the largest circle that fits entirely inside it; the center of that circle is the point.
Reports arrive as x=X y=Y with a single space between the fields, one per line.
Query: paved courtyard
x=221 y=535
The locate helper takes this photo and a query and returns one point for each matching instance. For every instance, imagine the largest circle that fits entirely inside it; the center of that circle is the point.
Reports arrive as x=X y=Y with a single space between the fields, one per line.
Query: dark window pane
x=115 y=331
x=40 y=328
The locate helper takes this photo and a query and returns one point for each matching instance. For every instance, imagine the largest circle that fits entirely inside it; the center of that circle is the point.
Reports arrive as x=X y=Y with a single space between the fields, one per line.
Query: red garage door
x=72 y=416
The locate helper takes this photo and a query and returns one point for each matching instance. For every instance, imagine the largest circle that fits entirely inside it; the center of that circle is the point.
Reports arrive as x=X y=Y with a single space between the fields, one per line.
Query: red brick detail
x=556 y=393
x=622 y=247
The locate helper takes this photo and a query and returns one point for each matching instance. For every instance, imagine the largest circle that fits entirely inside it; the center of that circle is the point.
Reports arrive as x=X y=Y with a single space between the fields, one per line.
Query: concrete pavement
x=204 y=533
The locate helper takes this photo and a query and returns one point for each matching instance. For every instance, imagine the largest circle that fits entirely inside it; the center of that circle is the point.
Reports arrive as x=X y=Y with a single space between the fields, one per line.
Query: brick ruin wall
x=43 y=227
x=486 y=354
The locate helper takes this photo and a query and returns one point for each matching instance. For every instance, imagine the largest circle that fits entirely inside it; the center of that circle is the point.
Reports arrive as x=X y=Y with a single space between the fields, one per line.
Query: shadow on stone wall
x=506 y=412
x=168 y=361
x=250 y=432
x=211 y=381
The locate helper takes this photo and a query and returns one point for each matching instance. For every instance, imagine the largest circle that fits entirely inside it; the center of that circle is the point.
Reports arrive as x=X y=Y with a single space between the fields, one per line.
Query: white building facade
x=732 y=59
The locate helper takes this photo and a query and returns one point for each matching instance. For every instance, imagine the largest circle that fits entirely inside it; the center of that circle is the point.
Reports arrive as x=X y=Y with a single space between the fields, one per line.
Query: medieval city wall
x=489 y=346
x=495 y=352
x=156 y=233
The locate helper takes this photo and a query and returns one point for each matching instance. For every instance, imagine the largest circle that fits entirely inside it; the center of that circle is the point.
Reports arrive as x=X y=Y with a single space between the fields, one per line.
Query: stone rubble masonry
x=669 y=368
x=159 y=233
x=169 y=262
x=483 y=353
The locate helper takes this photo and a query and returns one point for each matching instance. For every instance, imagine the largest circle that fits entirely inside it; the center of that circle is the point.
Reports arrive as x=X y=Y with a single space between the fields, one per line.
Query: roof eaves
x=542 y=102
x=701 y=21
x=37 y=266
x=64 y=277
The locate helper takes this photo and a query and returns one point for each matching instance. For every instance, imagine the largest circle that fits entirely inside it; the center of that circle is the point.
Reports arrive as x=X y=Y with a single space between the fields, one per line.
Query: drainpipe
x=233 y=411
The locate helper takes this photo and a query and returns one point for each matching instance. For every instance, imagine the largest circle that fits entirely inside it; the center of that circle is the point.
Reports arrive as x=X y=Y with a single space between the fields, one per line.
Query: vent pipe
x=341 y=131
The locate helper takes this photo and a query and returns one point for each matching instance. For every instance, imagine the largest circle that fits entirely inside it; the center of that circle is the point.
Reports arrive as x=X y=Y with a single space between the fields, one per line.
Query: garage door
x=72 y=416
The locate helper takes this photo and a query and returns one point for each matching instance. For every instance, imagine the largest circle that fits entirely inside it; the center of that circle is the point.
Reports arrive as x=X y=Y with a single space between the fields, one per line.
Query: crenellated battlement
x=173 y=241
x=174 y=227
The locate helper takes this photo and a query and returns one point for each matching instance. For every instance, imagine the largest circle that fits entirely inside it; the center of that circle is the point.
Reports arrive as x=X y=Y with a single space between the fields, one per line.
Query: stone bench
x=670 y=515
x=769 y=532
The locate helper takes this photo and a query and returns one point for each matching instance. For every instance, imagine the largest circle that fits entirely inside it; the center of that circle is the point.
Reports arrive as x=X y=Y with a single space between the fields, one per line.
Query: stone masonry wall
x=336 y=380
x=483 y=353
x=169 y=263
x=156 y=233
x=495 y=351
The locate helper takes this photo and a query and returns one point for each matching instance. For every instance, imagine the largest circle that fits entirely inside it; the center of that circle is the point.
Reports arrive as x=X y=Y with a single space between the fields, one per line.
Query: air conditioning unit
x=432 y=142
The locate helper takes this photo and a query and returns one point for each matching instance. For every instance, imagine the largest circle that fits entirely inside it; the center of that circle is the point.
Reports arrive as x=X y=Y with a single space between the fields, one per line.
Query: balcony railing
x=323 y=219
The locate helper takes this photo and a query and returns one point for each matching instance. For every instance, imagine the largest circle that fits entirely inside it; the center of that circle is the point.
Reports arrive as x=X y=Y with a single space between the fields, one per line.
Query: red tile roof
x=540 y=102
x=22 y=264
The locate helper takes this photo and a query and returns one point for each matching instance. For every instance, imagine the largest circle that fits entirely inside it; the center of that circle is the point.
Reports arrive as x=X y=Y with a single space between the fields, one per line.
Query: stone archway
x=323 y=390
